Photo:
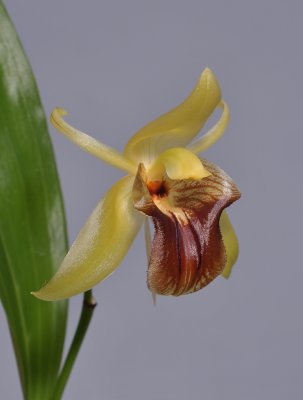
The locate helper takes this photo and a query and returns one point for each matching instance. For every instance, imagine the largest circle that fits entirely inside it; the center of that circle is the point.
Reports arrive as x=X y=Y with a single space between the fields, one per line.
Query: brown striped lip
x=187 y=250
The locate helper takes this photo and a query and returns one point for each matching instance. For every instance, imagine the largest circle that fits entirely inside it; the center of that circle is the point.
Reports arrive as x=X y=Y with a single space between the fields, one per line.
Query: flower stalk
x=88 y=307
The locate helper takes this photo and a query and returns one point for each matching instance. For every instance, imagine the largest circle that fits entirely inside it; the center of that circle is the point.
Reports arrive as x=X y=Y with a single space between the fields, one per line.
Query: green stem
x=89 y=304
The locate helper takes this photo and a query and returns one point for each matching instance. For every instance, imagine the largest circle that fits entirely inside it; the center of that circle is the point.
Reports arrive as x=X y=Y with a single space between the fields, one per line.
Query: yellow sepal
x=87 y=143
x=100 y=246
x=179 y=126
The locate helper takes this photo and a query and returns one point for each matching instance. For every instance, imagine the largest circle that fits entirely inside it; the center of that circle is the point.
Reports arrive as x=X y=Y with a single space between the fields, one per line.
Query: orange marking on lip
x=157 y=188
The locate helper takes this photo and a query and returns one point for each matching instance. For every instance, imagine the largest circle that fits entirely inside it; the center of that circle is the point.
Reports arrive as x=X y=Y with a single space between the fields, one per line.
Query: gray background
x=116 y=65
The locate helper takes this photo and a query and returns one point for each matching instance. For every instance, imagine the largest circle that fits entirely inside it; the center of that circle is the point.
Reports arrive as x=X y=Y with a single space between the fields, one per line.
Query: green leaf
x=33 y=236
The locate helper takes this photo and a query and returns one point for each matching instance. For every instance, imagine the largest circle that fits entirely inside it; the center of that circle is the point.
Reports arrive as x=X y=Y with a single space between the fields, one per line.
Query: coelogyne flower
x=185 y=196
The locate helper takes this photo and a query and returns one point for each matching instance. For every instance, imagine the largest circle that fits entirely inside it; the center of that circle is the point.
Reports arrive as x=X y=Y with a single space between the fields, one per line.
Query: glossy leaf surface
x=32 y=223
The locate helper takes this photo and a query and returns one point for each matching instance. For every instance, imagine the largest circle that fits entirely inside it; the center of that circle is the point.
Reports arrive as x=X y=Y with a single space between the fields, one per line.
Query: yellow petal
x=179 y=126
x=91 y=145
x=177 y=163
x=230 y=242
x=213 y=134
x=100 y=246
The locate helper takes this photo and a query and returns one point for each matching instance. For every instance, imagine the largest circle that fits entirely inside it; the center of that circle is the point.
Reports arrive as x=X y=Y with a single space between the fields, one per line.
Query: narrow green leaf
x=33 y=237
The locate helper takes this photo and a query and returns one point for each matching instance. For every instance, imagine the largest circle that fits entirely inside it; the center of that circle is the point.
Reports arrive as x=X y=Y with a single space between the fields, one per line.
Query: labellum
x=187 y=251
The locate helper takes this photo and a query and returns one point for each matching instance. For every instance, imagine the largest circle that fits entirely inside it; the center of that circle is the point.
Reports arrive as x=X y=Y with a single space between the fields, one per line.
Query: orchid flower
x=185 y=196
